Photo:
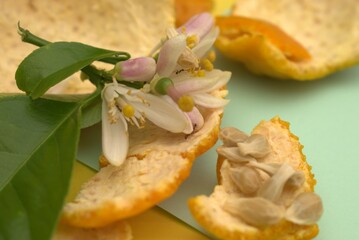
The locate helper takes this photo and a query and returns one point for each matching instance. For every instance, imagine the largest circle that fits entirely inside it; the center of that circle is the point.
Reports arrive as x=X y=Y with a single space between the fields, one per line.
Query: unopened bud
x=137 y=69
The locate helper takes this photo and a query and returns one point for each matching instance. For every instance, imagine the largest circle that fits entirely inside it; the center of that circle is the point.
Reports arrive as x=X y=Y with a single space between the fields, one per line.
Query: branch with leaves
x=39 y=133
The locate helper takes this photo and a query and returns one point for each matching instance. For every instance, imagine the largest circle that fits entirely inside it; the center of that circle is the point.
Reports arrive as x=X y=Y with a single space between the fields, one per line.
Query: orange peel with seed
x=208 y=211
x=301 y=40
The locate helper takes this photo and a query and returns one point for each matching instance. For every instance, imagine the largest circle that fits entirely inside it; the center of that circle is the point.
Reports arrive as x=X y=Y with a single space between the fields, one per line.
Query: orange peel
x=185 y=9
x=116 y=231
x=69 y=21
x=157 y=163
x=208 y=211
x=301 y=40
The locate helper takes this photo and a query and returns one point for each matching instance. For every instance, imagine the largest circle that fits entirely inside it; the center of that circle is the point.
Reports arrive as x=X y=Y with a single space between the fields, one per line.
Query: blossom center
x=128 y=111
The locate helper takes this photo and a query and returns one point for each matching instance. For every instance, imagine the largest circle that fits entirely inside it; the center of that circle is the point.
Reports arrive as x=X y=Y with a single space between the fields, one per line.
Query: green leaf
x=91 y=112
x=38 y=145
x=52 y=63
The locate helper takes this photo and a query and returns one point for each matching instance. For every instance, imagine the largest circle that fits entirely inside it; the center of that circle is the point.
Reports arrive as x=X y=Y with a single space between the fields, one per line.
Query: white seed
x=234 y=155
x=256 y=146
x=255 y=211
x=230 y=136
x=296 y=180
x=306 y=209
x=273 y=187
x=247 y=179
x=270 y=168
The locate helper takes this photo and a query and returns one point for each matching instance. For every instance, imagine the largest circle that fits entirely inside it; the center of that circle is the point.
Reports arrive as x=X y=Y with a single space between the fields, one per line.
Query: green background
x=324 y=115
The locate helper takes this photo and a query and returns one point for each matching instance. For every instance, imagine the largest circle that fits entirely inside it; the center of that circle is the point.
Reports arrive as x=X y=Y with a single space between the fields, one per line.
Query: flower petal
x=115 y=141
x=169 y=54
x=209 y=101
x=199 y=25
x=161 y=111
x=213 y=80
x=206 y=43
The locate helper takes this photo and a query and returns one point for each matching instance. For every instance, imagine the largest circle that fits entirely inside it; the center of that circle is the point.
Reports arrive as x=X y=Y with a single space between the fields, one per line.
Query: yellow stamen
x=201 y=73
x=206 y=64
x=186 y=103
x=128 y=111
x=191 y=41
x=211 y=56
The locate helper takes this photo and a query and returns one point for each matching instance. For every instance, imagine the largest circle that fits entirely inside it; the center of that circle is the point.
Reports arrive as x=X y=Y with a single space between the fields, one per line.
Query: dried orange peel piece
x=70 y=21
x=233 y=27
x=158 y=162
x=116 y=231
x=208 y=211
x=300 y=40
x=185 y=9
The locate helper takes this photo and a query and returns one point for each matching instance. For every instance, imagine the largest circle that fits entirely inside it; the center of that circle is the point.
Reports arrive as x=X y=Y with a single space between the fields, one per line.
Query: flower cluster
x=177 y=79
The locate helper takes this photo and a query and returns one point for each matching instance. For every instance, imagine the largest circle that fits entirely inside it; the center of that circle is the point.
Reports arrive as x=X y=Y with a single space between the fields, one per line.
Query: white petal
x=161 y=112
x=213 y=80
x=199 y=25
x=115 y=141
x=189 y=127
x=169 y=54
x=108 y=92
x=209 y=101
x=206 y=43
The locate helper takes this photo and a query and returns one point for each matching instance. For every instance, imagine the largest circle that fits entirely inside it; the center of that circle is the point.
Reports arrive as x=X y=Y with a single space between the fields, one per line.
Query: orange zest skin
x=185 y=9
x=233 y=27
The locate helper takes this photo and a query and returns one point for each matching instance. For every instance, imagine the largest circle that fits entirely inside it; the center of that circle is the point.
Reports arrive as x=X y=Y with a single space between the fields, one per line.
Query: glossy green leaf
x=91 y=107
x=91 y=112
x=52 y=63
x=38 y=144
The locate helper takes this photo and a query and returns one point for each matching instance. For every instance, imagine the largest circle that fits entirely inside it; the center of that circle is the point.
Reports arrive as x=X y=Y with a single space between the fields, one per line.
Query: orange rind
x=185 y=9
x=158 y=162
x=300 y=40
x=133 y=26
x=209 y=212
x=116 y=231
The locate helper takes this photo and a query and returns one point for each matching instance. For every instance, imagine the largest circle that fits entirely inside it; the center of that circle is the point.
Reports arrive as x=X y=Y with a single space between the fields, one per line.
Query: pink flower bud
x=136 y=69
x=199 y=25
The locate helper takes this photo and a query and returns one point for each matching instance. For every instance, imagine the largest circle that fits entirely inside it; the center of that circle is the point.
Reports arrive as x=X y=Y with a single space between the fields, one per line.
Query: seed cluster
x=260 y=186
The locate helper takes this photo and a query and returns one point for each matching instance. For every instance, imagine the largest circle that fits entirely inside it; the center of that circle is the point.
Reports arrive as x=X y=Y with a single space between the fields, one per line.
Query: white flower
x=122 y=104
x=180 y=61
x=181 y=82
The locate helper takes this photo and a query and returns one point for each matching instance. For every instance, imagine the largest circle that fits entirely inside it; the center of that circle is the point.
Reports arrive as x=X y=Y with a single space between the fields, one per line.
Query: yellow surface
x=152 y=224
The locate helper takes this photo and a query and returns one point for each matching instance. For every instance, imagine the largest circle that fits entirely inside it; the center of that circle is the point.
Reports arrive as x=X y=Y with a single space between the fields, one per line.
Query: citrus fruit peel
x=302 y=40
x=116 y=231
x=185 y=9
x=157 y=163
x=211 y=213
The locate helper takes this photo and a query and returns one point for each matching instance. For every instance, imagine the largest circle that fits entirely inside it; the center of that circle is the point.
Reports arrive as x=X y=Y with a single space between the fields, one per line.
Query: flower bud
x=137 y=69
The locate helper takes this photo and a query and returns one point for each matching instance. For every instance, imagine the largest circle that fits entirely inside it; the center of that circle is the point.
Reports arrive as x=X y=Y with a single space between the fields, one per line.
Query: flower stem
x=96 y=76
x=28 y=37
